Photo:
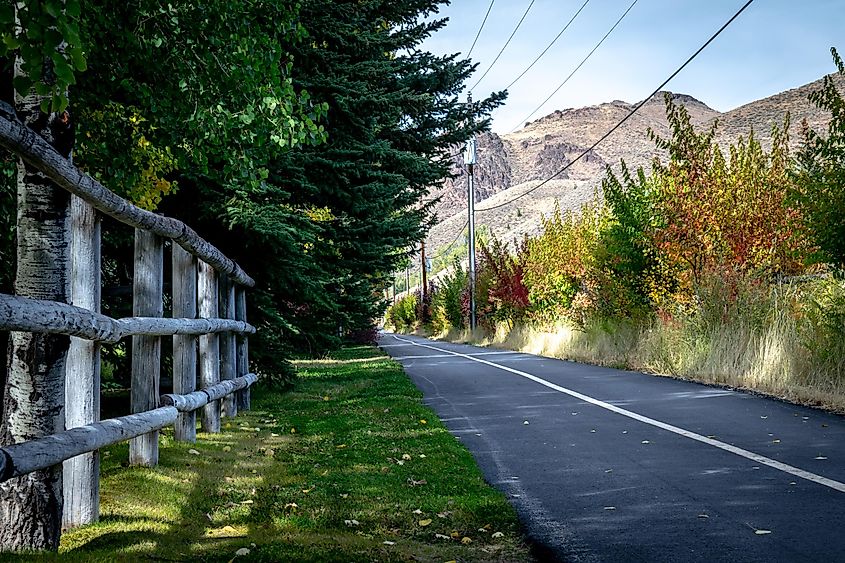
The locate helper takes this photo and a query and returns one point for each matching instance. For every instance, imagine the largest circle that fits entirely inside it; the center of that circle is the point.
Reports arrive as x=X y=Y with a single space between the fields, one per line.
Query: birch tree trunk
x=33 y=397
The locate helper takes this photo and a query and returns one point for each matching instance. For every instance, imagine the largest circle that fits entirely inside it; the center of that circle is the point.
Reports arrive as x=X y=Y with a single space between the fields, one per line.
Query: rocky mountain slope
x=513 y=163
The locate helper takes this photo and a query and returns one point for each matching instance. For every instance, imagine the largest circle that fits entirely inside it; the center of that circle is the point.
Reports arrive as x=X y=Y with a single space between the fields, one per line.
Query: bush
x=402 y=315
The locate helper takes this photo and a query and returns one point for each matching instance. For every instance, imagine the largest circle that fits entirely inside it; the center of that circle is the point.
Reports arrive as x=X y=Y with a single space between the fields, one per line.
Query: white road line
x=835 y=485
x=397 y=358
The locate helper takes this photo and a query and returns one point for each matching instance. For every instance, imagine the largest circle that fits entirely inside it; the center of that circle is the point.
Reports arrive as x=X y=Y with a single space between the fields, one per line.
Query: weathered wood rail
x=208 y=327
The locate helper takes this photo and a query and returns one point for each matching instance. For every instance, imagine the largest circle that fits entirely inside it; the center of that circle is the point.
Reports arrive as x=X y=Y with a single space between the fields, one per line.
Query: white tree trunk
x=33 y=397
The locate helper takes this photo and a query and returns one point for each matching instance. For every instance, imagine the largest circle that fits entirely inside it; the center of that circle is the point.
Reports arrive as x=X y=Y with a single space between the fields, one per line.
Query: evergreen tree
x=394 y=120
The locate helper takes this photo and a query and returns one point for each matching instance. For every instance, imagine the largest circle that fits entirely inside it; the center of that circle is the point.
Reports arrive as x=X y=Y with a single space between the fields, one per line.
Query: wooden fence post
x=228 y=352
x=147 y=286
x=242 y=345
x=184 y=347
x=209 y=372
x=82 y=378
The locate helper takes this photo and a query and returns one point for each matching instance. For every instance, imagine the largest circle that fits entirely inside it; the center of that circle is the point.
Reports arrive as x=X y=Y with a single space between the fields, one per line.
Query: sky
x=773 y=46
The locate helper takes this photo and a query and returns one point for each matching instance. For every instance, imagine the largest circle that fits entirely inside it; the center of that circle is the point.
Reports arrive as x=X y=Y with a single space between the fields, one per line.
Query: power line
x=571 y=74
x=624 y=119
x=444 y=251
x=540 y=56
x=522 y=19
x=477 y=35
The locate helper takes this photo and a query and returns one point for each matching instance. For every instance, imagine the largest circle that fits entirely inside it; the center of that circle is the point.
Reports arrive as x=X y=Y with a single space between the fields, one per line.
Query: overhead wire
x=628 y=116
x=505 y=46
x=571 y=74
x=549 y=46
x=477 y=35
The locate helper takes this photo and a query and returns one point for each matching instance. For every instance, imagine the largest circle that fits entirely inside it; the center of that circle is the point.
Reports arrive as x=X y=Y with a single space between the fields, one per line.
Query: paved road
x=609 y=465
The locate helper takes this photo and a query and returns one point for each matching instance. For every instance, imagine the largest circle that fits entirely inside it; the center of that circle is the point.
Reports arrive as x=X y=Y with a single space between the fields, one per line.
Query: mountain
x=511 y=164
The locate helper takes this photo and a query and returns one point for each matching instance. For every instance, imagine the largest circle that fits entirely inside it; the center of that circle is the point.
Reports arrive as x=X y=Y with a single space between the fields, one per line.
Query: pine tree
x=394 y=119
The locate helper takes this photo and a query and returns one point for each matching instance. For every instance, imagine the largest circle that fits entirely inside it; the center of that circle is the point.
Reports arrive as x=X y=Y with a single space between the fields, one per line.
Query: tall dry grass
x=790 y=344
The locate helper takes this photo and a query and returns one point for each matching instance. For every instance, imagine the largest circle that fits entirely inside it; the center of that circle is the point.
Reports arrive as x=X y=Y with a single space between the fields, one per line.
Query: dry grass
x=773 y=360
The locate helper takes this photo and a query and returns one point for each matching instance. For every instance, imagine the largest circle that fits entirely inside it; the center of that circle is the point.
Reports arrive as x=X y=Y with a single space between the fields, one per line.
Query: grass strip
x=349 y=466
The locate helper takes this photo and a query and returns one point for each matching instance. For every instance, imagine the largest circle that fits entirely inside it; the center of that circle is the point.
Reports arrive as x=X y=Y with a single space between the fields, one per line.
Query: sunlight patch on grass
x=328 y=472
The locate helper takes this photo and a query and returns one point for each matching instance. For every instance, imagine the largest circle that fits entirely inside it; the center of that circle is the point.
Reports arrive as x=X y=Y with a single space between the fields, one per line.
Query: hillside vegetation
x=720 y=263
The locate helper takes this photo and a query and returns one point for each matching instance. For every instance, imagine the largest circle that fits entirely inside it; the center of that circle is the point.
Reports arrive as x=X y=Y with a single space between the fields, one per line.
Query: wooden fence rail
x=208 y=326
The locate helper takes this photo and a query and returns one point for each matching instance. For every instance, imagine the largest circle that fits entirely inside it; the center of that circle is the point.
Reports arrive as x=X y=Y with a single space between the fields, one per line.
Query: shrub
x=402 y=315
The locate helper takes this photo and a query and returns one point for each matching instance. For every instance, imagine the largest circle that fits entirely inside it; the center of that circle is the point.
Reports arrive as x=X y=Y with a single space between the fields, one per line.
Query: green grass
x=348 y=460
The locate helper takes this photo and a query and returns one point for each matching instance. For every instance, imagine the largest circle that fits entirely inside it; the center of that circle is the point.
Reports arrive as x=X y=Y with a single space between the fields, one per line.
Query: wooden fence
x=208 y=327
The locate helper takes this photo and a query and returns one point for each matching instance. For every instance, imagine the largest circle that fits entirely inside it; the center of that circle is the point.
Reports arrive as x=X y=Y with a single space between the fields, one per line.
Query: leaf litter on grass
x=293 y=504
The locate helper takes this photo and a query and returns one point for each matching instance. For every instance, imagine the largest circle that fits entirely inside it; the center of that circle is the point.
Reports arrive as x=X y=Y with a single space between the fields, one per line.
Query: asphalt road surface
x=610 y=465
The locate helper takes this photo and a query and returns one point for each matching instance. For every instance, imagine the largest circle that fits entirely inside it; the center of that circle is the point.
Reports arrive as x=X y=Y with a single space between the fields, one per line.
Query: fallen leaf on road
x=764 y=417
x=762 y=532
x=776 y=441
x=821 y=457
x=610 y=508
x=703 y=516
x=526 y=422
x=593 y=431
x=646 y=442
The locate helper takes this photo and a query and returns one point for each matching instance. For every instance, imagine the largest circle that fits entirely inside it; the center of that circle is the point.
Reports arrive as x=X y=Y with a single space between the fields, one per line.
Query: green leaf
x=53 y=7
x=23 y=84
x=7 y=14
x=77 y=55
x=10 y=41
x=63 y=70
x=73 y=8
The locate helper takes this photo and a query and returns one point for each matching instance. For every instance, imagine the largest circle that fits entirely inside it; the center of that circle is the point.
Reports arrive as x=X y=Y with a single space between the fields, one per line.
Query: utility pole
x=407 y=280
x=423 y=280
x=470 y=158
